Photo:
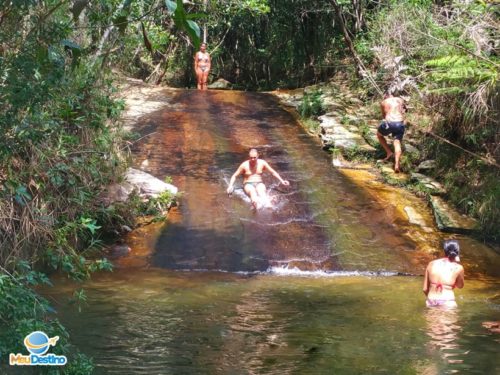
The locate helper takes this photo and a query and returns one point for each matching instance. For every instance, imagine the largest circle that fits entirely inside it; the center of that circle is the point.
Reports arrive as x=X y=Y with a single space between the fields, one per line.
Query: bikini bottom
x=440 y=303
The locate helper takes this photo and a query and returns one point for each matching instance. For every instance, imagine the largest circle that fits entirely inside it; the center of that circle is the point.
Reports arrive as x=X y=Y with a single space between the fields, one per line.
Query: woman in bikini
x=202 y=64
x=253 y=185
x=442 y=276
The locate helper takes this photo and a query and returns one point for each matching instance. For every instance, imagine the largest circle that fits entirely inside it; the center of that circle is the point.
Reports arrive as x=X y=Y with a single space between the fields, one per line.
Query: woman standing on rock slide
x=202 y=64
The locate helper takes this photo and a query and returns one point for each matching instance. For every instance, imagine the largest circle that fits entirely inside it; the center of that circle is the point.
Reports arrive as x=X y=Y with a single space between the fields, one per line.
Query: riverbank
x=347 y=127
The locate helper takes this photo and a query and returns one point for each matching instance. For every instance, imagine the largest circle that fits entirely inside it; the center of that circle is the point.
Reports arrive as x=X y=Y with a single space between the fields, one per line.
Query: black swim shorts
x=396 y=129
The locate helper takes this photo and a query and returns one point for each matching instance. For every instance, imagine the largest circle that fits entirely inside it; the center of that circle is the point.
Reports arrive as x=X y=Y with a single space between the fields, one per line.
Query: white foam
x=294 y=271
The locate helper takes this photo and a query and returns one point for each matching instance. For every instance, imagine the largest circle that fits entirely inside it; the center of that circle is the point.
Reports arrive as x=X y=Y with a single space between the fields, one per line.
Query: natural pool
x=165 y=322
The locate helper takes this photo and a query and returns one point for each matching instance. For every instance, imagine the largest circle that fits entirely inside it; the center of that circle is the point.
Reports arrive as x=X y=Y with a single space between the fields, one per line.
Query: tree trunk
x=107 y=33
x=205 y=24
x=359 y=19
x=347 y=38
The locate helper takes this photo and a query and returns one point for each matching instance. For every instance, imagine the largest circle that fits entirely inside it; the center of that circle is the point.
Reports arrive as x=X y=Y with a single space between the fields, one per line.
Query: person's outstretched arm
x=233 y=179
x=275 y=174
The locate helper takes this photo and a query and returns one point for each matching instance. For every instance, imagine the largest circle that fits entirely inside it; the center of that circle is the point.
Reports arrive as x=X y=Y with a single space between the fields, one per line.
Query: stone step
x=449 y=220
x=339 y=163
x=341 y=136
x=434 y=187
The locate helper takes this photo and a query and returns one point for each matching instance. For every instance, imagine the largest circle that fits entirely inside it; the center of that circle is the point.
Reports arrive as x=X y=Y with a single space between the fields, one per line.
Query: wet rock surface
x=449 y=220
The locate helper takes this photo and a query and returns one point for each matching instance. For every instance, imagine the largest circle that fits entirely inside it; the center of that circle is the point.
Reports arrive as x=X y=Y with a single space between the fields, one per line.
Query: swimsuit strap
x=439 y=286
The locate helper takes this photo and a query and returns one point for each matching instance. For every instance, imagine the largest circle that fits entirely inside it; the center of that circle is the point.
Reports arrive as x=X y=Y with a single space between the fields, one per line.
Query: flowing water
x=324 y=282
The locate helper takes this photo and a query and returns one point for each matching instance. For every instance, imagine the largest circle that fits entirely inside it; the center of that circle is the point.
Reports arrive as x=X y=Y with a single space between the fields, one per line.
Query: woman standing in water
x=202 y=64
x=442 y=276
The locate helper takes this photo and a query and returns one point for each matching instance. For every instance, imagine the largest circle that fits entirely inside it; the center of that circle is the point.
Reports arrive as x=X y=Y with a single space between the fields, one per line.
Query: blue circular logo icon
x=37 y=343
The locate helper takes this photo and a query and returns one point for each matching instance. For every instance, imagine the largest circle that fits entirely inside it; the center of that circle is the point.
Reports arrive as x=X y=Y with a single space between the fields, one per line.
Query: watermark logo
x=38 y=344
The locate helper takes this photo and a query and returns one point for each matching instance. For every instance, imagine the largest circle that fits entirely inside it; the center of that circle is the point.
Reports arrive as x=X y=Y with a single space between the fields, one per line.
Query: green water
x=163 y=322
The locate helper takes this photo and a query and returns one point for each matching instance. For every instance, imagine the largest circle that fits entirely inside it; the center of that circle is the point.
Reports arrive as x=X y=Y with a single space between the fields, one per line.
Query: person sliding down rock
x=253 y=186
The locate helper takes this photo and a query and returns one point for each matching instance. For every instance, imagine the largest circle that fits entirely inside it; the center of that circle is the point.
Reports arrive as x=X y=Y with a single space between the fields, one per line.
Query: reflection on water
x=164 y=322
x=443 y=330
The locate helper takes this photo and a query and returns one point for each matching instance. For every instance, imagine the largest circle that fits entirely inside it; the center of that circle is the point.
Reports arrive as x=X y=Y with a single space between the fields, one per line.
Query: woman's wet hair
x=451 y=249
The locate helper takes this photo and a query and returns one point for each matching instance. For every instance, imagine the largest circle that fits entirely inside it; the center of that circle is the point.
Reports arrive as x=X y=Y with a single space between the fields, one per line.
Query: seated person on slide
x=442 y=276
x=252 y=170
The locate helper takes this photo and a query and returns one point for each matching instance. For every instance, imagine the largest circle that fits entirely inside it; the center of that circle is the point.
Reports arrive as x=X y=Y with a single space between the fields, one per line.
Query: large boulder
x=220 y=84
x=148 y=186
x=449 y=220
x=118 y=193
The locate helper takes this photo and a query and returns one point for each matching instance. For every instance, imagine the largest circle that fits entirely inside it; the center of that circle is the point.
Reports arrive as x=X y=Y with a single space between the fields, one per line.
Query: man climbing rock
x=393 y=109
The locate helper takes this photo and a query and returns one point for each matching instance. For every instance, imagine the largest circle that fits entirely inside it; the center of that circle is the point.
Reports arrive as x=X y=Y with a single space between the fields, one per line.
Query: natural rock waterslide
x=325 y=220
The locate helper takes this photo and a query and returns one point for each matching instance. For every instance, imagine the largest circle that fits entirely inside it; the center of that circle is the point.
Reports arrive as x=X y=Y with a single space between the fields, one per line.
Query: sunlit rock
x=449 y=220
x=409 y=148
x=426 y=165
x=433 y=186
x=220 y=84
x=117 y=193
x=339 y=136
x=148 y=185
x=416 y=219
x=391 y=176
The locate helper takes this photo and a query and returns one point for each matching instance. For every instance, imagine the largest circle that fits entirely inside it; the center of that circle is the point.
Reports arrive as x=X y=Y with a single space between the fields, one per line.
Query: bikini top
x=440 y=286
x=202 y=58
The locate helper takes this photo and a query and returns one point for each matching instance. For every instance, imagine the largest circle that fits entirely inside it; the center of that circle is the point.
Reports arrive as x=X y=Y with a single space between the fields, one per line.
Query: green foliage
x=159 y=205
x=311 y=124
x=312 y=104
x=185 y=21
x=459 y=74
x=23 y=311
x=251 y=32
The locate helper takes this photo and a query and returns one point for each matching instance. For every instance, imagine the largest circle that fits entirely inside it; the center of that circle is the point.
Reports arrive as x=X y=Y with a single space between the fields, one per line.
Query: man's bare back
x=393 y=109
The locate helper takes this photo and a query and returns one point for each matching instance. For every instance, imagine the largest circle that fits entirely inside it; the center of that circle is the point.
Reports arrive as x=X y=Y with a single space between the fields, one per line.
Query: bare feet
x=396 y=170
x=388 y=157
